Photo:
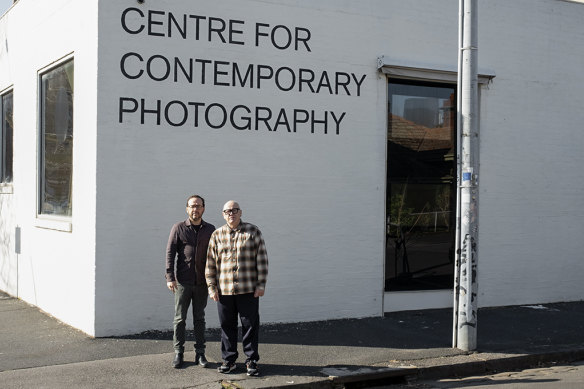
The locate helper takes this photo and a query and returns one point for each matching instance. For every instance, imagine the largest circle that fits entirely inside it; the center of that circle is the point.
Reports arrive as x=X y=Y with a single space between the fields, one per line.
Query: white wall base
x=413 y=300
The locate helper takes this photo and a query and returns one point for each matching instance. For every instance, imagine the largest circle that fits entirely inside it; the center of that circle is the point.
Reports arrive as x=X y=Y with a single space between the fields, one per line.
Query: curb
x=387 y=375
x=510 y=363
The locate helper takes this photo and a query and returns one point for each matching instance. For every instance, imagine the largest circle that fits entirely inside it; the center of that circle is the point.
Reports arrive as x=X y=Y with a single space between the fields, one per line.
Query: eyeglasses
x=233 y=211
x=196 y=206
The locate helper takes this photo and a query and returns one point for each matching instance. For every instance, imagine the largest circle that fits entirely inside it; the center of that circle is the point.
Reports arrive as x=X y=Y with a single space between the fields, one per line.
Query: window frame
x=56 y=221
x=434 y=283
x=420 y=73
x=426 y=72
x=6 y=186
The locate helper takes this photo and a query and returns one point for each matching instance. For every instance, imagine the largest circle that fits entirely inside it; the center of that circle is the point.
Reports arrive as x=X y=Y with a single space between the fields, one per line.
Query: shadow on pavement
x=500 y=329
x=410 y=330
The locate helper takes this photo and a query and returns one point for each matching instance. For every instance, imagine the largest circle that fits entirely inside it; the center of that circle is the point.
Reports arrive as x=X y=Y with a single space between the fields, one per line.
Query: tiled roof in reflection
x=416 y=137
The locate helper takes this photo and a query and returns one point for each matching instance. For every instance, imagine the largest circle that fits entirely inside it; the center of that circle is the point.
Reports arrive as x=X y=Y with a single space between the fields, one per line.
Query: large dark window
x=56 y=140
x=6 y=156
x=421 y=189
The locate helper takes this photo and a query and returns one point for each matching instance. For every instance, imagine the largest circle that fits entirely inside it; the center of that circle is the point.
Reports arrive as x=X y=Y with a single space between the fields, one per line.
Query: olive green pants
x=183 y=296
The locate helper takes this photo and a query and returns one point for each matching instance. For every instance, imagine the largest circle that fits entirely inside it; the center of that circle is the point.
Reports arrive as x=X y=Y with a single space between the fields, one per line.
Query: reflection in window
x=421 y=185
x=56 y=137
x=6 y=156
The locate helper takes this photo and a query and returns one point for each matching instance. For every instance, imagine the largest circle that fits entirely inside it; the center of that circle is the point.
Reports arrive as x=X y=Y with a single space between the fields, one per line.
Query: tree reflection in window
x=6 y=156
x=421 y=185
x=57 y=140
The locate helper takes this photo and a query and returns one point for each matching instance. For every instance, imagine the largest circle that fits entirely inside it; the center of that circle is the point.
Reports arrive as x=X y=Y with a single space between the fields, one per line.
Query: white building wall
x=55 y=269
x=318 y=198
x=8 y=224
x=531 y=203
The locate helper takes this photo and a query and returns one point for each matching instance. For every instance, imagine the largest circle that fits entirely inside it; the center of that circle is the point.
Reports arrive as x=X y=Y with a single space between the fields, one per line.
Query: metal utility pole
x=466 y=283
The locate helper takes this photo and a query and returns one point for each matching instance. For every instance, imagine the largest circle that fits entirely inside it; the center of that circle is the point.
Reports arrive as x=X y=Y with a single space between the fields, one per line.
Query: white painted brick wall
x=319 y=199
x=531 y=208
x=56 y=270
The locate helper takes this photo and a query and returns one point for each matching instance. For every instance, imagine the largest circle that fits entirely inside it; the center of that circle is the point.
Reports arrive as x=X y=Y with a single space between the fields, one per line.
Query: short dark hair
x=196 y=197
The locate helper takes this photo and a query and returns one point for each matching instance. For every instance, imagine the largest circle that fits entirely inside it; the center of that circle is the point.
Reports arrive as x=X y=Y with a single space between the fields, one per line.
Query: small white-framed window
x=56 y=140
x=6 y=137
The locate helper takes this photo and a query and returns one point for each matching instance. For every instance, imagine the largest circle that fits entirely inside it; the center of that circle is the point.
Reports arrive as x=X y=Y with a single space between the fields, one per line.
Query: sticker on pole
x=466 y=178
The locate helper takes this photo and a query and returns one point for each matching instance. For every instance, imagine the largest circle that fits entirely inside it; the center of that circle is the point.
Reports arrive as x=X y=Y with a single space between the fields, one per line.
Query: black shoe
x=178 y=360
x=226 y=367
x=252 y=368
x=201 y=360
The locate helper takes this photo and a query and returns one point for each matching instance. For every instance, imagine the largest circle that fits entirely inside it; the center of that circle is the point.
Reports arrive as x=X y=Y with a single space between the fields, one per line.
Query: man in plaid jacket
x=236 y=274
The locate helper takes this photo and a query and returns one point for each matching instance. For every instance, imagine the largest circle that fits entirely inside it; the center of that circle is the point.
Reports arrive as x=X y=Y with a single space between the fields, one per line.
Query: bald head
x=232 y=213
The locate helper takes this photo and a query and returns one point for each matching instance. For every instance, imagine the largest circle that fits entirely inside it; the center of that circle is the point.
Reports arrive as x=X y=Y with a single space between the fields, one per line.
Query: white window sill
x=53 y=224
x=6 y=188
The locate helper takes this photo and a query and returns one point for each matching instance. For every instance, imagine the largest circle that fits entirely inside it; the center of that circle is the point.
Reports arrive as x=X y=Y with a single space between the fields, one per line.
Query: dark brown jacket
x=190 y=251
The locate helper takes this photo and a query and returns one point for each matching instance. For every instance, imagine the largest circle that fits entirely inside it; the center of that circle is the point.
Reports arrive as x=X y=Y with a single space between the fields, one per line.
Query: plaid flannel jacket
x=237 y=261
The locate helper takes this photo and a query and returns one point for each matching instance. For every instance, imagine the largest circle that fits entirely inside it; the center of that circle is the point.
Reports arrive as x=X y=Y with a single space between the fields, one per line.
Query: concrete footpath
x=39 y=351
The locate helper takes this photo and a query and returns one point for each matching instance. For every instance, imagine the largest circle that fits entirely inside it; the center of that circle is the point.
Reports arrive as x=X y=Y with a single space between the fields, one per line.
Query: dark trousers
x=183 y=296
x=247 y=306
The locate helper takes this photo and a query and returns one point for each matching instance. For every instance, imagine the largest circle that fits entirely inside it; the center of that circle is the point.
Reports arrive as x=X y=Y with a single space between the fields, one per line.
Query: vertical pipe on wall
x=17 y=252
x=466 y=322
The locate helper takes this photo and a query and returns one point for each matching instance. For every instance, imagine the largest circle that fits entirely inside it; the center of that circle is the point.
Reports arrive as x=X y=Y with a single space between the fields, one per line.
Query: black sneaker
x=178 y=360
x=201 y=360
x=252 y=368
x=227 y=367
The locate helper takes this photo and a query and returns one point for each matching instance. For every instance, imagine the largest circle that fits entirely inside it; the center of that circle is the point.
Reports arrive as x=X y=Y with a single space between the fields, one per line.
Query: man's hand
x=214 y=296
x=171 y=285
x=258 y=293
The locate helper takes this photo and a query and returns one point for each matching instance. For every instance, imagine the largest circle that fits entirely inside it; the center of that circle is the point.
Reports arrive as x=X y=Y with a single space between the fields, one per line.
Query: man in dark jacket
x=186 y=255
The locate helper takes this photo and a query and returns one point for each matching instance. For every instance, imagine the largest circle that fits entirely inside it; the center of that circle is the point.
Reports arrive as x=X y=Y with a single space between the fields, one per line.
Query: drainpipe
x=466 y=283
x=17 y=252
